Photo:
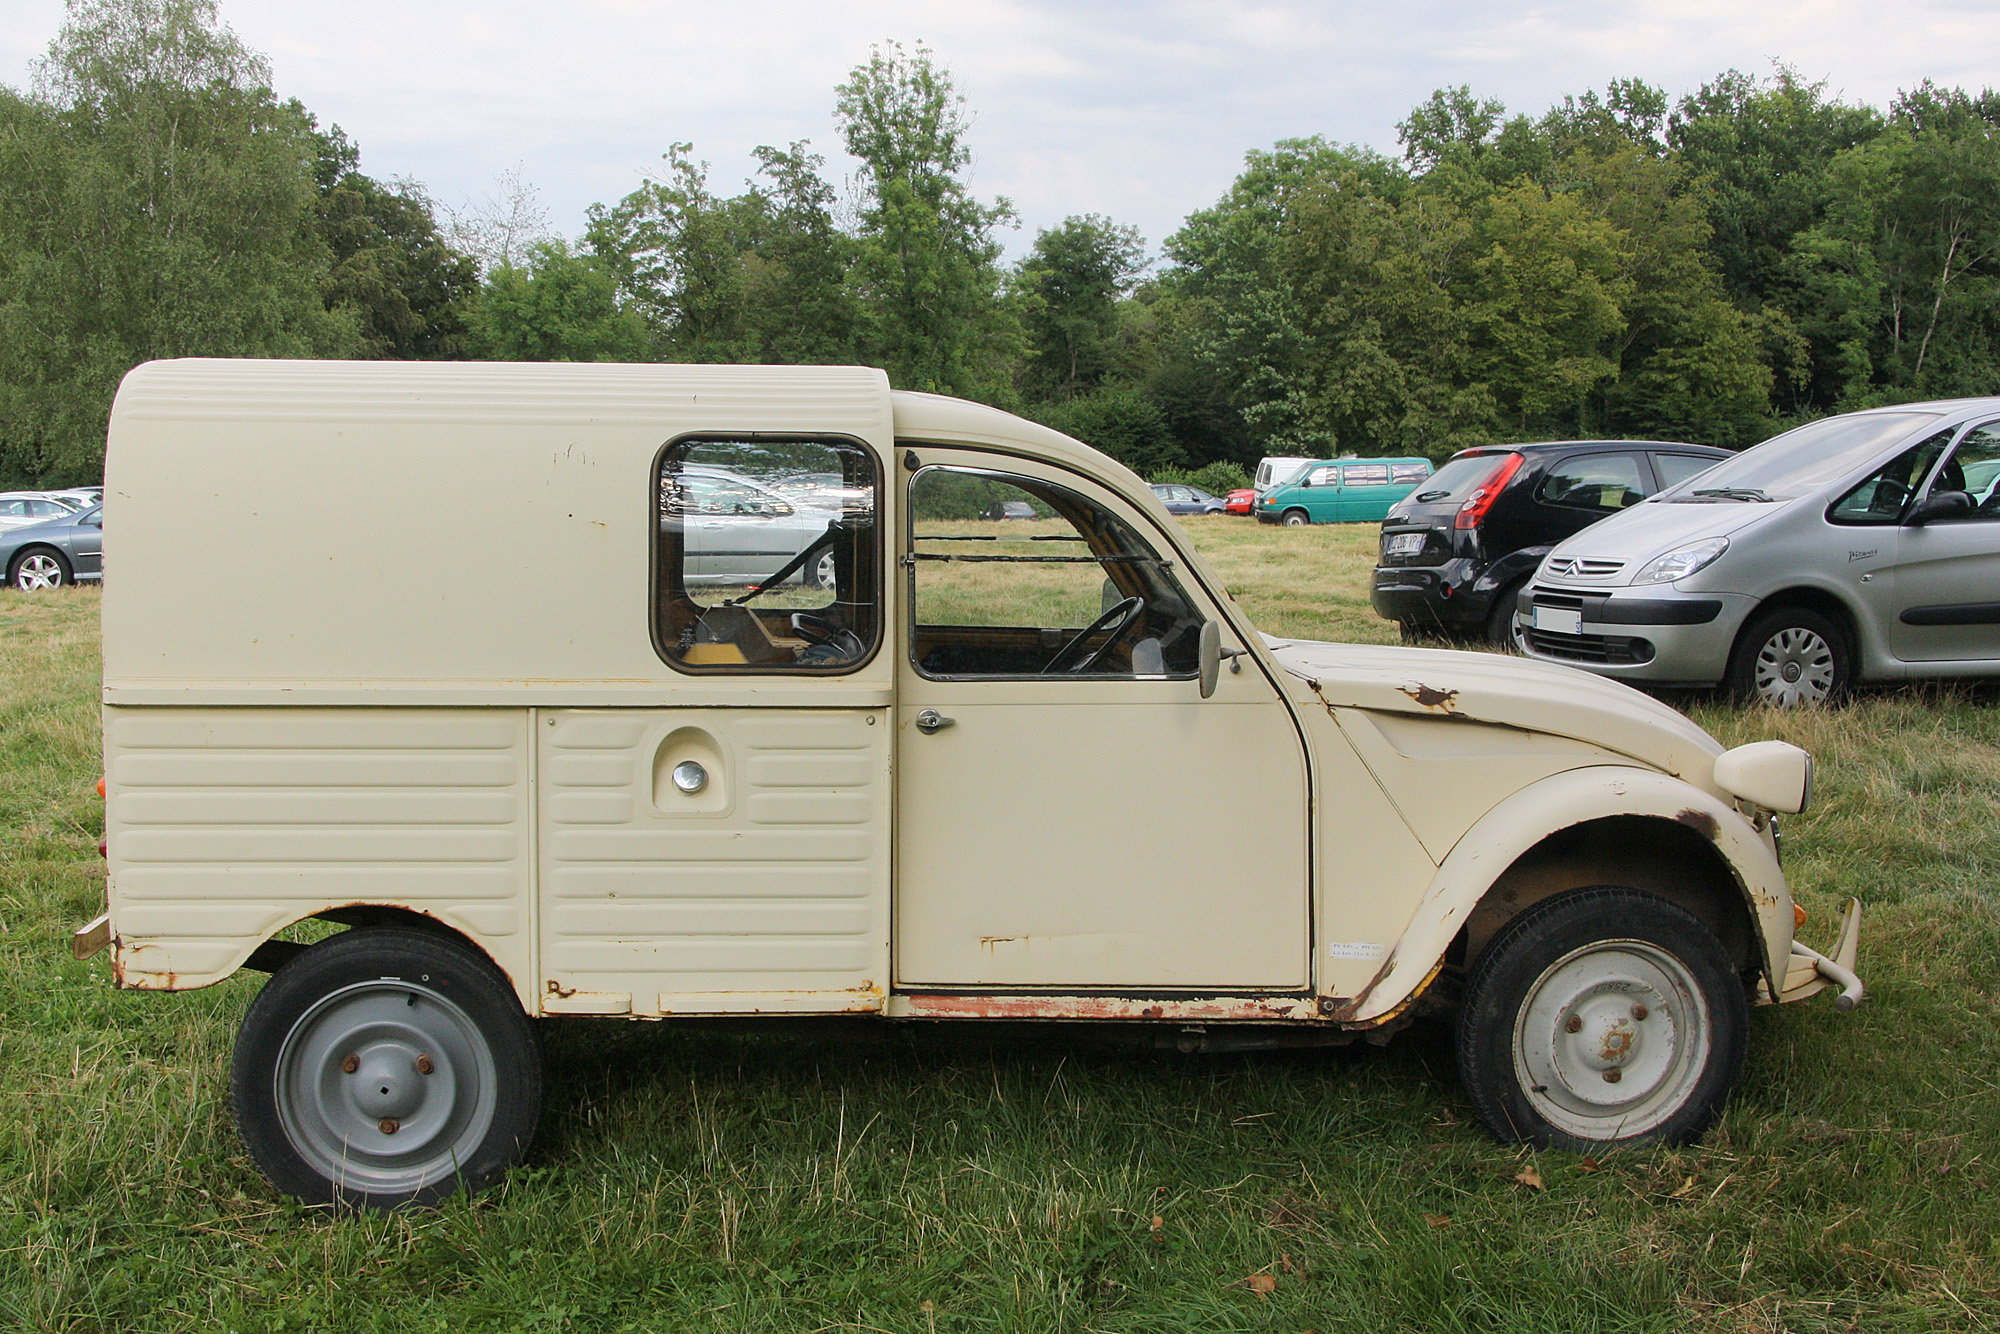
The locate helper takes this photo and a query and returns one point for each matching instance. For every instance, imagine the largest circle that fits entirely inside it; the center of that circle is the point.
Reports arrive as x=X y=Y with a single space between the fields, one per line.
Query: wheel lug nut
x=1612 y=1076
x=390 y=1125
x=351 y=1064
x=424 y=1065
x=1640 y=1012
x=1573 y=1024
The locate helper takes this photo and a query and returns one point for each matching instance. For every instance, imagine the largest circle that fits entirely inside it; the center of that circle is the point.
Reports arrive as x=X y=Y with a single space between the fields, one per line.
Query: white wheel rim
x=1612 y=1039
x=38 y=572
x=1794 y=666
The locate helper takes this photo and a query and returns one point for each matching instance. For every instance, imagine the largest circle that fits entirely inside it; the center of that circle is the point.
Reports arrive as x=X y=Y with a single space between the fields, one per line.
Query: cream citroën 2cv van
x=712 y=690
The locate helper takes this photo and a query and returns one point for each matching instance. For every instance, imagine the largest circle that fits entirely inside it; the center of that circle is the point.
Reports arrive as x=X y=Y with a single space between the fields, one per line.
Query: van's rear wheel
x=385 y=1067
x=1296 y=519
x=1604 y=1016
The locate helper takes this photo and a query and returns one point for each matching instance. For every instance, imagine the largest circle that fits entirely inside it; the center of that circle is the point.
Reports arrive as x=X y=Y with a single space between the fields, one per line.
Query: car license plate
x=1404 y=544
x=1559 y=620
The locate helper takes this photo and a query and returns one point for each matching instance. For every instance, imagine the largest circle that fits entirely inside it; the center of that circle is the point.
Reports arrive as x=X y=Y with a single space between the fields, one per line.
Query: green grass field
x=691 y=1179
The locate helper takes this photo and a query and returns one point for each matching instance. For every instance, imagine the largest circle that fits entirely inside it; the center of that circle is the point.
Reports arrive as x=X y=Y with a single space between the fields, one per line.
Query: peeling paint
x=1701 y=822
x=1430 y=697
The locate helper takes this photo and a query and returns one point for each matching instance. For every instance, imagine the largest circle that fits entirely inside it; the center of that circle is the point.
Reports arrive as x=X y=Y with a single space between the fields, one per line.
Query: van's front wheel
x=1605 y=1016
x=1296 y=519
x=385 y=1067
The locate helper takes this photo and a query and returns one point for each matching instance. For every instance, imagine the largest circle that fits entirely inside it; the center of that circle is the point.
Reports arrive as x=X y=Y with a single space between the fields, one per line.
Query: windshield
x=1801 y=461
x=1455 y=481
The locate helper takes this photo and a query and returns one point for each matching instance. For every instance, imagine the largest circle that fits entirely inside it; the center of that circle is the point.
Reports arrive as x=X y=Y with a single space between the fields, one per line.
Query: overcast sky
x=1142 y=111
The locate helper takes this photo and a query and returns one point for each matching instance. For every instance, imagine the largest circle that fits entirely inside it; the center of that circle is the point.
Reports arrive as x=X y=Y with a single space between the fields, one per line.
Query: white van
x=1273 y=472
x=546 y=751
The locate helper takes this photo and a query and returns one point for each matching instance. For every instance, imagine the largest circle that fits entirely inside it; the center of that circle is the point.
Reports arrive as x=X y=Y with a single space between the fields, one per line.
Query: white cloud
x=1141 y=109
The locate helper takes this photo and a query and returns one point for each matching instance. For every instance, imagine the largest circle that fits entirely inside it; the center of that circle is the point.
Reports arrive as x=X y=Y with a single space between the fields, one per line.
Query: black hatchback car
x=1456 y=552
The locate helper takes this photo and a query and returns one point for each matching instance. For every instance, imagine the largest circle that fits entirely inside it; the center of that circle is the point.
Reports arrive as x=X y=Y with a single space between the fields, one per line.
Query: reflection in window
x=1594 y=482
x=1974 y=468
x=1366 y=474
x=1014 y=576
x=1883 y=495
x=768 y=556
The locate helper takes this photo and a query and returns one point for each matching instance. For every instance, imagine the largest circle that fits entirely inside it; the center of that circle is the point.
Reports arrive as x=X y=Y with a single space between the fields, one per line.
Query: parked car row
x=52 y=551
x=1863 y=547
x=1456 y=553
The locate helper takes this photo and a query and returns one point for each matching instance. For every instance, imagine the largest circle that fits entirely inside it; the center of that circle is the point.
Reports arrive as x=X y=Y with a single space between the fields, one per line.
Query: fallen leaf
x=1681 y=1189
x=1262 y=1284
x=1158 y=1222
x=1528 y=1176
x=1589 y=1165
x=1438 y=1220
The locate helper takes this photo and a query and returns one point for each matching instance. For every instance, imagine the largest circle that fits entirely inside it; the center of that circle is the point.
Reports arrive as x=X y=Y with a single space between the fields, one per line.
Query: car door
x=1319 y=493
x=1947 y=586
x=1071 y=813
x=1576 y=491
x=86 y=542
x=1365 y=493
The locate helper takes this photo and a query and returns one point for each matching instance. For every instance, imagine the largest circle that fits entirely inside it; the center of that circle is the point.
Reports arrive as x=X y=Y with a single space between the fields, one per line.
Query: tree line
x=1710 y=267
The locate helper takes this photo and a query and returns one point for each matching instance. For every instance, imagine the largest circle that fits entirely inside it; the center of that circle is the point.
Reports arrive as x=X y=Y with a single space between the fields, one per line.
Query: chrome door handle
x=930 y=720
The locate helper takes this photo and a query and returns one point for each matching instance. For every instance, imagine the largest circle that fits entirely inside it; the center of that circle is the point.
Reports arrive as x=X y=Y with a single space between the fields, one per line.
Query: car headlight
x=1680 y=564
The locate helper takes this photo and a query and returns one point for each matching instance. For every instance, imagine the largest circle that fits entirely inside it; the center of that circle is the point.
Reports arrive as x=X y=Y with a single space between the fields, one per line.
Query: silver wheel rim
x=37 y=572
x=823 y=572
x=1295 y=521
x=357 y=1102
x=1612 y=1039
x=1794 y=666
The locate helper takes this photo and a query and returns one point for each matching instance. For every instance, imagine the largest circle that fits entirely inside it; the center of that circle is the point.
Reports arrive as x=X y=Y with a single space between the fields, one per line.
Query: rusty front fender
x=1574 y=797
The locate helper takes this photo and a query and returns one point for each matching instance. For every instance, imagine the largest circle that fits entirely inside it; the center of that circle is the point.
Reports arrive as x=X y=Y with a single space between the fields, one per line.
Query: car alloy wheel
x=39 y=570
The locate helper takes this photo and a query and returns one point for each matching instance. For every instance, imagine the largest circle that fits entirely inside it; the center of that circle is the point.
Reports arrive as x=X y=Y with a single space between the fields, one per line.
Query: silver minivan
x=1864 y=547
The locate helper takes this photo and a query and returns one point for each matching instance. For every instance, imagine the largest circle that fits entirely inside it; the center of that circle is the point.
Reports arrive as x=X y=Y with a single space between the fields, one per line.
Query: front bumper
x=1812 y=972
x=1657 y=634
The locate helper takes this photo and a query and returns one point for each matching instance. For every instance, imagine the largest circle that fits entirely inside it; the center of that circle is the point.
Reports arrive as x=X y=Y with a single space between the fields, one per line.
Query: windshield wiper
x=1426 y=496
x=1732 y=493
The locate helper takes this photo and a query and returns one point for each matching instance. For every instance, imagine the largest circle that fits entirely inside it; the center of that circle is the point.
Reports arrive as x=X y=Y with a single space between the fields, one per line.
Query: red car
x=1239 y=501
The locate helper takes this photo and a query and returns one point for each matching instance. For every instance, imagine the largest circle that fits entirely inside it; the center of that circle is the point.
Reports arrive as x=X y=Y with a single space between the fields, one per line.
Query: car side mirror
x=1210 y=656
x=1940 y=505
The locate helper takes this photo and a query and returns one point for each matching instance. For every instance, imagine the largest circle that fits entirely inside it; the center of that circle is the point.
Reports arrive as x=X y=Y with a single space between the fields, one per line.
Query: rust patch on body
x=1444 y=701
x=1701 y=822
x=1110 y=1007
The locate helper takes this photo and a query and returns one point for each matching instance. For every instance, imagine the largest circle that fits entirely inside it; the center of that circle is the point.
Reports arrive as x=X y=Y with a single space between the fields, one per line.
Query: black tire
x=1659 y=1016
x=378 y=1033
x=1790 y=657
x=38 y=568
x=1295 y=519
x=1502 y=631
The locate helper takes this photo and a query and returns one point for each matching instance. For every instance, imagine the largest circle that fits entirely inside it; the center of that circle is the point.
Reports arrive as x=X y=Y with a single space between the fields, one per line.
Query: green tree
x=155 y=200
x=391 y=266
x=562 y=306
x=1068 y=289
x=925 y=268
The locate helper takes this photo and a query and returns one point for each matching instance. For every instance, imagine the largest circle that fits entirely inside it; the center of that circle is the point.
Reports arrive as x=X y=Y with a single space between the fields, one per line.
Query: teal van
x=1342 y=491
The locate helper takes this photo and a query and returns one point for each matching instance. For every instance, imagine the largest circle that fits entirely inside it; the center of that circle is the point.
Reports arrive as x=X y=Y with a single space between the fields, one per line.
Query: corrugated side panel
x=226 y=825
x=767 y=890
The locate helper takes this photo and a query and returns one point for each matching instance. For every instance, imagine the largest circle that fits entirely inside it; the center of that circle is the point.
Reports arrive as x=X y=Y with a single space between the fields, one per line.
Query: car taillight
x=1481 y=500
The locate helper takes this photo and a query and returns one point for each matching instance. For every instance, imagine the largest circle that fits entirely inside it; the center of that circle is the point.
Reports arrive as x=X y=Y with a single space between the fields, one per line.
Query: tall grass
x=939 y=1179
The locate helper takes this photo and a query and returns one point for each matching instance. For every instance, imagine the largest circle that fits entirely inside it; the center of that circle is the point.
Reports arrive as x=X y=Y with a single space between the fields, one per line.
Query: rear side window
x=768 y=557
x=1408 y=474
x=1601 y=482
x=1677 y=468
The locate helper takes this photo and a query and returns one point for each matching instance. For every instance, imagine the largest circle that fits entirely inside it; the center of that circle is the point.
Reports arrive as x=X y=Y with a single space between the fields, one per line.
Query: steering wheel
x=1120 y=617
x=839 y=644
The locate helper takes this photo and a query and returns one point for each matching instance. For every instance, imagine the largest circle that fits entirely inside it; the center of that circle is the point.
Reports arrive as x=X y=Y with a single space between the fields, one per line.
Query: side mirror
x=1939 y=505
x=1210 y=656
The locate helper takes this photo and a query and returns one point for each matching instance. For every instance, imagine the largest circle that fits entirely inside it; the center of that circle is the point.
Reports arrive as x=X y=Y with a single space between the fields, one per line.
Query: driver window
x=1883 y=496
x=767 y=557
x=1975 y=470
x=1017 y=577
